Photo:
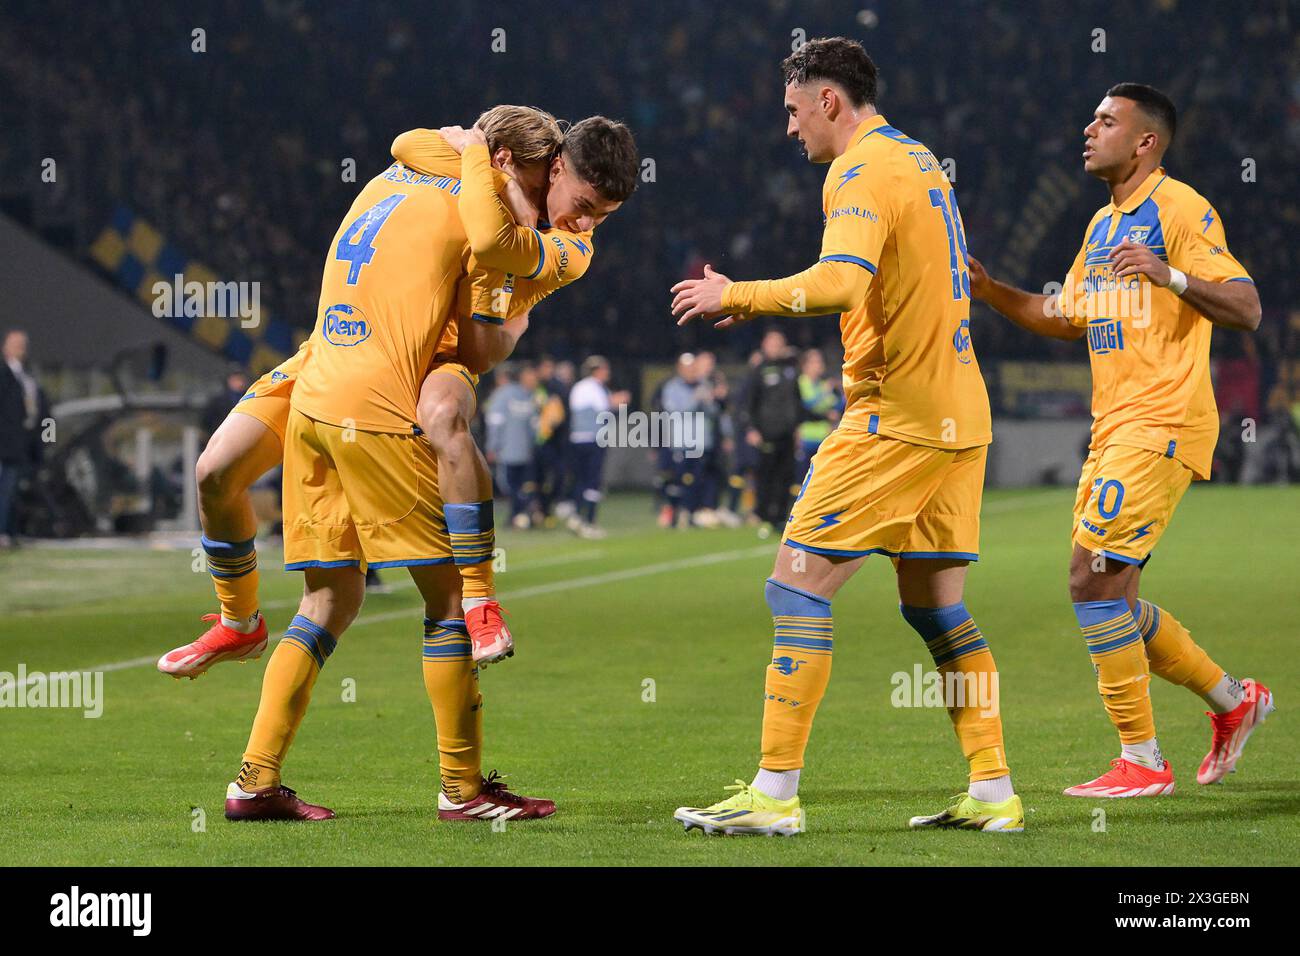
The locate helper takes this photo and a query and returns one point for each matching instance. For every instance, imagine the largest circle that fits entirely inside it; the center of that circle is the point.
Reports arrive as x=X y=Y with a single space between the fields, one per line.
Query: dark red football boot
x=495 y=802
x=275 y=803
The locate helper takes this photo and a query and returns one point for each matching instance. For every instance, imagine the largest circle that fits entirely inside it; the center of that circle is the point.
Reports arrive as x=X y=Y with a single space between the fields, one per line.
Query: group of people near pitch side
x=430 y=279
x=428 y=282
x=541 y=435
x=739 y=464
x=902 y=474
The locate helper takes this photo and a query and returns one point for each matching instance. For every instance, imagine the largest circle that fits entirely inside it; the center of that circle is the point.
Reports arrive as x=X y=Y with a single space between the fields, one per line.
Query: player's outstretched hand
x=702 y=297
x=1133 y=258
x=979 y=278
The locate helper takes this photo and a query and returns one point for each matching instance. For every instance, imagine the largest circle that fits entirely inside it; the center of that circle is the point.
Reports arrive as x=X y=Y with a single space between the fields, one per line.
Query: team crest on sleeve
x=346 y=325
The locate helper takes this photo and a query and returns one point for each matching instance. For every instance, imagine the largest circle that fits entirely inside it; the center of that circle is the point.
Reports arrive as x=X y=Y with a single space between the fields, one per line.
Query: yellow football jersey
x=909 y=366
x=388 y=287
x=558 y=256
x=1150 y=350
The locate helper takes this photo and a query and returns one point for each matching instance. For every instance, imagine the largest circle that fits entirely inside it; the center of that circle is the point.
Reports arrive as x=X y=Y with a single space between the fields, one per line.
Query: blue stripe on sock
x=446 y=640
x=1111 y=623
x=930 y=622
x=945 y=631
x=471 y=518
x=226 y=549
x=787 y=600
x=1147 y=616
x=312 y=638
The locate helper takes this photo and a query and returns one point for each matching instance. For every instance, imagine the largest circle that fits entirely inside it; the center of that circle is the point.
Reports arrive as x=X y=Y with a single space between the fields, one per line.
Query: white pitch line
x=115 y=666
x=595 y=579
x=591 y=580
x=406 y=582
x=663 y=567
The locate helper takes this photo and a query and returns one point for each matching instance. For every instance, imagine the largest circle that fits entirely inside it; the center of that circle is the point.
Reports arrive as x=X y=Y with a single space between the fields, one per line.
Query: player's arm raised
x=425 y=151
x=496 y=238
x=504 y=241
x=1032 y=311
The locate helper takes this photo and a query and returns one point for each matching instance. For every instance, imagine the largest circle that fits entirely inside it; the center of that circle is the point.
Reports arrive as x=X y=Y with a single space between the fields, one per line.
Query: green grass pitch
x=567 y=718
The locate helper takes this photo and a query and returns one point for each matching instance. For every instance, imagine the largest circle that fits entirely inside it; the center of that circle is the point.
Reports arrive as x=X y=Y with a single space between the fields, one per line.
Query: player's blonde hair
x=531 y=135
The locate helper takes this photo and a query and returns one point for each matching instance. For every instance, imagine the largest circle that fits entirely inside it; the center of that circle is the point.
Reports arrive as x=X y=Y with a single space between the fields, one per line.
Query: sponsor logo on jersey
x=563 y=250
x=1098 y=531
x=346 y=325
x=857 y=211
x=961 y=342
x=1105 y=336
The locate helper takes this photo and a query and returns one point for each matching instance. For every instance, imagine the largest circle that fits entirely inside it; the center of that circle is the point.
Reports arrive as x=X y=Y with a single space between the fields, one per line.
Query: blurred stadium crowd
x=235 y=153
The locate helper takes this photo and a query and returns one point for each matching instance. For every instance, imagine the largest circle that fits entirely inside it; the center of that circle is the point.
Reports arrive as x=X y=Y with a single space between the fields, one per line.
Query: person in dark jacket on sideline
x=774 y=411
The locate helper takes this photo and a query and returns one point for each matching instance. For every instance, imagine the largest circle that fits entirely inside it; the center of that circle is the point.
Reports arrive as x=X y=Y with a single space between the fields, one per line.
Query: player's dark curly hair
x=1155 y=104
x=835 y=60
x=602 y=152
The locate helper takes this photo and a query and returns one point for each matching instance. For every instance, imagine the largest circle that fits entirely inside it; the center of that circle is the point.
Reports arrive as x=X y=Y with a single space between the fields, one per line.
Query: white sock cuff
x=777 y=784
x=992 y=791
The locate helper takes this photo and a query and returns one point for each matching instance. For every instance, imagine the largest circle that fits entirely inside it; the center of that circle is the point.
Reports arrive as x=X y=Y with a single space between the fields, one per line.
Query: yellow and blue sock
x=233 y=566
x=798 y=674
x=473 y=541
x=1120 y=660
x=286 y=691
x=451 y=680
x=1174 y=656
x=959 y=649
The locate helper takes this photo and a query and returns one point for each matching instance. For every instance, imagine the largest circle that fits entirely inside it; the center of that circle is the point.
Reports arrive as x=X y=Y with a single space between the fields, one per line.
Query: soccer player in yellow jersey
x=361 y=486
x=902 y=474
x=1153 y=277
x=578 y=199
x=250 y=441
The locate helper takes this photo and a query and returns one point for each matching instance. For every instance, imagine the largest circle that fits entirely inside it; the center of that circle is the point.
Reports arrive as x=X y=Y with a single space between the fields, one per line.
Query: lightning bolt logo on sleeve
x=850 y=173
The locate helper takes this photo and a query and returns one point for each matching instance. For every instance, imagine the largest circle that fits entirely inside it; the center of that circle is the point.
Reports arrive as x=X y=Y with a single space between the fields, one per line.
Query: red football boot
x=1232 y=730
x=489 y=638
x=495 y=802
x=1127 y=779
x=218 y=644
x=275 y=803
